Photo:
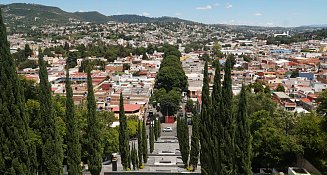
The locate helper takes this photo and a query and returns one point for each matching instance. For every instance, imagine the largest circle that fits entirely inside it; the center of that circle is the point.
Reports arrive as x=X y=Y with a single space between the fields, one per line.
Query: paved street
x=169 y=134
x=165 y=157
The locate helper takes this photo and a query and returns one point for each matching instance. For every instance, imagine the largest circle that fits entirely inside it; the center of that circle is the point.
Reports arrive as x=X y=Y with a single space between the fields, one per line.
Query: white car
x=168 y=129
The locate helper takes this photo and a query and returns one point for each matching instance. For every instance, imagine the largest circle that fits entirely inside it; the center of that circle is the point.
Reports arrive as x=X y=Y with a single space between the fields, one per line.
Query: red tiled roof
x=306 y=100
x=151 y=75
x=143 y=73
x=30 y=77
x=128 y=108
x=312 y=96
x=293 y=63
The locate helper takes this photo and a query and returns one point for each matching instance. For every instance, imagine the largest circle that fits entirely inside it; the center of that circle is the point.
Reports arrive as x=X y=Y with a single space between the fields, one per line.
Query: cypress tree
x=151 y=139
x=181 y=132
x=204 y=124
x=217 y=127
x=133 y=156
x=52 y=152
x=178 y=128
x=123 y=135
x=227 y=121
x=159 y=127
x=144 y=143
x=155 y=129
x=129 y=158
x=179 y=138
x=33 y=153
x=93 y=130
x=195 y=147
x=139 y=143
x=184 y=144
x=73 y=145
x=27 y=51
x=14 y=155
x=243 y=137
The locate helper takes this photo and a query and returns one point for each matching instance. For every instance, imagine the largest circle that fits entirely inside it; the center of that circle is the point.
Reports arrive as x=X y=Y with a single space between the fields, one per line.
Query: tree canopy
x=171 y=74
x=14 y=146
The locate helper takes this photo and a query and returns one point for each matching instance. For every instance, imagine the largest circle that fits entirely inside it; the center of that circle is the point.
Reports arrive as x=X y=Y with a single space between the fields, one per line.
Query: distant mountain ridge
x=25 y=15
x=93 y=16
x=129 y=18
x=35 y=14
x=316 y=25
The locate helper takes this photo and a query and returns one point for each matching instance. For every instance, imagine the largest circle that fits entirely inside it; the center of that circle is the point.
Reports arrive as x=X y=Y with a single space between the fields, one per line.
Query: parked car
x=168 y=129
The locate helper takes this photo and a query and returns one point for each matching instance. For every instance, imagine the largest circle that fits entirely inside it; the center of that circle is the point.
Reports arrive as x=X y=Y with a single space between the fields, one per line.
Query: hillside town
x=301 y=68
x=173 y=96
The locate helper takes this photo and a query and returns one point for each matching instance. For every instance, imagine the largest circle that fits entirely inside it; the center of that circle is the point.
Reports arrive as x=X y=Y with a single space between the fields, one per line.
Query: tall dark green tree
x=189 y=105
x=52 y=152
x=159 y=127
x=129 y=158
x=144 y=143
x=155 y=129
x=27 y=51
x=204 y=124
x=14 y=153
x=66 y=47
x=280 y=88
x=195 y=147
x=139 y=143
x=183 y=139
x=243 y=137
x=294 y=74
x=178 y=128
x=322 y=107
x=73 y=132
x=133 y=158
x=151 y=137
x=171 y=74
x=123 y=135
x=227 y=121
x=93 y=130
x=216 y=127
x=186 y=143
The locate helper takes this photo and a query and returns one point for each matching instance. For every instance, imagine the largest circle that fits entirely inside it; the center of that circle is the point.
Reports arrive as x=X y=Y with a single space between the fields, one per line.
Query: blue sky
x=286 y=13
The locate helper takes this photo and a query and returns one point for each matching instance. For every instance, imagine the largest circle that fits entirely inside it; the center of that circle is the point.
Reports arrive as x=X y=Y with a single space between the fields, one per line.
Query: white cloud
x=269 y=24
x=81 y=11
x=258 y=14
x=208 y=7
x=216 y=4
x=228 y=5
x=178 y=14
x=145 y=14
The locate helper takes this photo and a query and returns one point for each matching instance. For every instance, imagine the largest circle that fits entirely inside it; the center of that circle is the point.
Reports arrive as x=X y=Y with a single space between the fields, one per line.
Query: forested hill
x=144 y=19
x=35 y=14
x=299 y=37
